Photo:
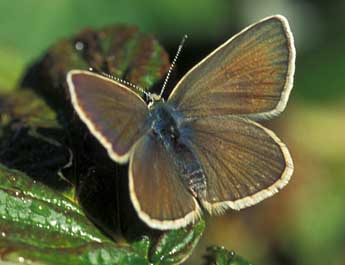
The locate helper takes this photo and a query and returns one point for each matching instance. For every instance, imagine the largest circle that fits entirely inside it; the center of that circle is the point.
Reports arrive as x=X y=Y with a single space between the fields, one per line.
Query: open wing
x=114 y=114
x=251 y=74
x=157 y=192
x=243 y=162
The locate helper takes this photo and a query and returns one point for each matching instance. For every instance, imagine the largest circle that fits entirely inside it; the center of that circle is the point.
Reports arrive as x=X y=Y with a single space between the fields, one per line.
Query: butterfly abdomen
x=165 y=129
x=191 y=171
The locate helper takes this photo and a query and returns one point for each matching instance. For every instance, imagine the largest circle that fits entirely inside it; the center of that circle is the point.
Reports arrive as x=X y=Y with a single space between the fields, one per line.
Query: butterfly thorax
x=167 y=129
x=163 y=123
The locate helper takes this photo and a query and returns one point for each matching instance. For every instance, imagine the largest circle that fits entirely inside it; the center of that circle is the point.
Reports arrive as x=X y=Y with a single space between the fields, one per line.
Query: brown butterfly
x=202 y=148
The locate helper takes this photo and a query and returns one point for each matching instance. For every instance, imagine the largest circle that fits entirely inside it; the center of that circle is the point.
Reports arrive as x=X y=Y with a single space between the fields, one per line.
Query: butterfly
x=201 y=150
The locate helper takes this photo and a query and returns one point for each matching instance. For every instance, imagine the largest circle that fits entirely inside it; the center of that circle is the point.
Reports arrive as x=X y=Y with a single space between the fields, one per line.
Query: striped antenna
x=173 y=64
x=125 y=82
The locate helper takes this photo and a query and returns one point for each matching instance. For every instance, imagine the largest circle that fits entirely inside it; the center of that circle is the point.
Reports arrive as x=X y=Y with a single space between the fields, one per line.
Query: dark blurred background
x=303 y=224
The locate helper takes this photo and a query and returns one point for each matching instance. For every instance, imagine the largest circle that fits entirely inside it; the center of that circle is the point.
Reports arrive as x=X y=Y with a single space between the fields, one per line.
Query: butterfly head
x=153 y=99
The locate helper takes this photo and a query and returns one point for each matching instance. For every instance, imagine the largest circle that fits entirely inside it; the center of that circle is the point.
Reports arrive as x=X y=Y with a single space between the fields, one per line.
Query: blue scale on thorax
x=166 y=127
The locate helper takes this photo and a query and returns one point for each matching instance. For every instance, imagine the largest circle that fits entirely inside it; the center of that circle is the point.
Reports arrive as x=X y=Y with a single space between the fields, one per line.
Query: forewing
x=157 y=192
x=243 y=162
x=114 y=114
x=251 y=74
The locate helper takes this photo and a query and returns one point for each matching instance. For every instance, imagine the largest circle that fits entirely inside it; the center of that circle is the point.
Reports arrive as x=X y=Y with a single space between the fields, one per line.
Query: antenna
x=124 y=82
x=173 y=64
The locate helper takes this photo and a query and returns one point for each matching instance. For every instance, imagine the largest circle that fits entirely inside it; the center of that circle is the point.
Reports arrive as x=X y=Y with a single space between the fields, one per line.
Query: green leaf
x=222 y=256
x=39 y=225
x=176 y=246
